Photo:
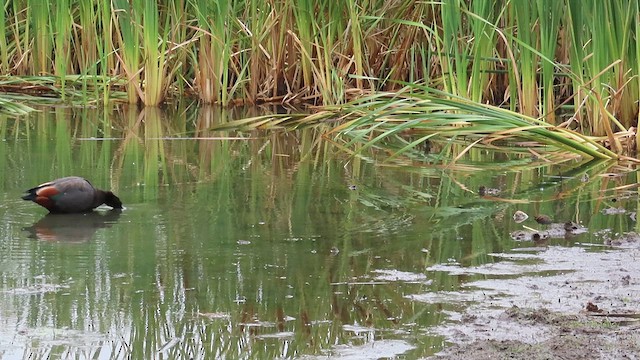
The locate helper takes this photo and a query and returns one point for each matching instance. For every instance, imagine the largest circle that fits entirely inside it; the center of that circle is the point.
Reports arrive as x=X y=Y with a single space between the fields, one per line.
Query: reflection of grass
x=287 y=195
x=9 y=107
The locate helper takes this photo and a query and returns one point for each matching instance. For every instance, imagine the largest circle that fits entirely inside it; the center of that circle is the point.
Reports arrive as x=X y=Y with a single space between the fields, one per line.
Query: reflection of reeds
x=154 y=285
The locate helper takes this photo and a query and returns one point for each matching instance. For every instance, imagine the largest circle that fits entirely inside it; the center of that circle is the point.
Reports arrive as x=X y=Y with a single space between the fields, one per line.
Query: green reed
x=525 y=19
x=62 y=42
x=4 y=54
x=128 y=31
x=304 y=16
x=483 y=52
x=550 y=14
x=88 y=48
x=455 y=61
x=603 y=53
x=38 y=13
x=212 y=51
x=10 y=107
x=153 y=54
x=635 y=90
x=533 y=57
x=87 y=38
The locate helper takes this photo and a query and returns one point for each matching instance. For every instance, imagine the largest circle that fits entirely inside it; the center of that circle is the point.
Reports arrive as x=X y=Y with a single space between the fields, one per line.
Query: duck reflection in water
x=71 y=228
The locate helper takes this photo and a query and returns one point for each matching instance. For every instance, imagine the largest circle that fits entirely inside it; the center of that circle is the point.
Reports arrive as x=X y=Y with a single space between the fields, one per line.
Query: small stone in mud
x=585 y=178
x=630 y=239
x=466 y=318
x=539 y=239
x=520 y=216
x=570 y=226
x=626 y=280
x=591 y=307
x=543 y=219
x=613 y=211
x=483 y=191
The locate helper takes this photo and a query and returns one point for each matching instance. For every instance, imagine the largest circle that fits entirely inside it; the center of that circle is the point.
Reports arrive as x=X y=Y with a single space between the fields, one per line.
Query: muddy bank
x=549 y=302
x=541 y=334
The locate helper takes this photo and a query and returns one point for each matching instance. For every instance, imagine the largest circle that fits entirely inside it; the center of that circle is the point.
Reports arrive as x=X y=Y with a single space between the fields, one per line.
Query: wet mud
x=548 y=302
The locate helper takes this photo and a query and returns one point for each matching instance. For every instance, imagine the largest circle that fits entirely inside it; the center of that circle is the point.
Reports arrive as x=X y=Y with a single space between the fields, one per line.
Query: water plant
x=13 y=108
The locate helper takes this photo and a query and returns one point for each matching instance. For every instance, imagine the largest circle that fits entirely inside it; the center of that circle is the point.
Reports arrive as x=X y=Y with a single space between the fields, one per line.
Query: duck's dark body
x=71 y=194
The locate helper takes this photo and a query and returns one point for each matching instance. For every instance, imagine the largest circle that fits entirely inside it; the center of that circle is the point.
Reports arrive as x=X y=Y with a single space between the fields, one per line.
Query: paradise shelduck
x=71 y=194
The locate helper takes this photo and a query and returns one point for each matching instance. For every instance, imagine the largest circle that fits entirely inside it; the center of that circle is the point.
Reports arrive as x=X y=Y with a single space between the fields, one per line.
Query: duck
x=71 y=195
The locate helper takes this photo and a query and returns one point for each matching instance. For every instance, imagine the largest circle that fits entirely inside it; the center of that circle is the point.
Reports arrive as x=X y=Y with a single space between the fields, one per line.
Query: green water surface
x=237 y=244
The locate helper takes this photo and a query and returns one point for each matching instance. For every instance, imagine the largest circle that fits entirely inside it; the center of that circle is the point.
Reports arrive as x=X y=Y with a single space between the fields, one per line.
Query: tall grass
x=304 y=16
x=154 y=47
x=4 y=54
x=38 y=13
x=62 y=41
x=549 y=15
x=525 y=19
x=533 y=57
x=213 y=51
x=128 y=39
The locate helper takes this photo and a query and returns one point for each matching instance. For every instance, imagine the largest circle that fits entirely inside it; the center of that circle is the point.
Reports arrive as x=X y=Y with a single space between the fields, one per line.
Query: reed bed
x=537 y=57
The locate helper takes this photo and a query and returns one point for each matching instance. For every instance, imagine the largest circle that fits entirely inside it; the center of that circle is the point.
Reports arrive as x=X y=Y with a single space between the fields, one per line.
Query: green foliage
x=10 y=107
x=128 y=17
x=381 y=116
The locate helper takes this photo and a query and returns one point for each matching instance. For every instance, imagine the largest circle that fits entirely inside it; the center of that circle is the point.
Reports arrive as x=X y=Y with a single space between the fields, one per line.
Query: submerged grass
x=430 y=113
x=13 y=108
x=402 y=121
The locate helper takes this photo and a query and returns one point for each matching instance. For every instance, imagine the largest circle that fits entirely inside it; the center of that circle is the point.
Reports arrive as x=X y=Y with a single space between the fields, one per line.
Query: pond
x=272 y=244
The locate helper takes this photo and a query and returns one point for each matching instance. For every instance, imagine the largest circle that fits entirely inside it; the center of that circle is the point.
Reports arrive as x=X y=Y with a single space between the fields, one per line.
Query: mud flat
x=549 y=302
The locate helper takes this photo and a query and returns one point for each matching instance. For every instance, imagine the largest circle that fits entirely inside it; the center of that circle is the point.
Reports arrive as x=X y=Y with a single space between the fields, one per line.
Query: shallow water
x=267 y=244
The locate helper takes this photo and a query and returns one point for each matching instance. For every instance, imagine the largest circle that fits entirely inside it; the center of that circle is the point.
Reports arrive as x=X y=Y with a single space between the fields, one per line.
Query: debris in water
x=613 y=211
x=570 y=226
x=591 y=307
x=520 y=216
x=543 y=219
x=483 y=191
